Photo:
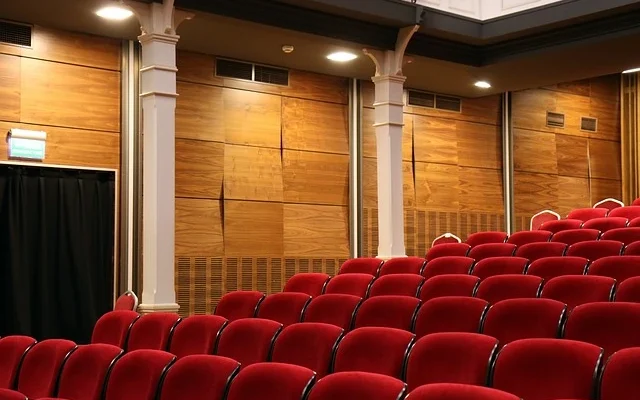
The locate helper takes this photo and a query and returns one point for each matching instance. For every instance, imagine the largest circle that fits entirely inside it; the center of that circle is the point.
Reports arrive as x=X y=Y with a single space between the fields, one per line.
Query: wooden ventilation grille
x=251 y=72
x=589 y=124
x=431 y=100
x=448 y=103
x=15 y=34
x=555 y=120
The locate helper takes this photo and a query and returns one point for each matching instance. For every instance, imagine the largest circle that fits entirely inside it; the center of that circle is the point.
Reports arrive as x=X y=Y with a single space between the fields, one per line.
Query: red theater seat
x=628 y=212
x=624 y=235
x=286 y=308
x=546 y=369
x=455 y=391
x=199 y=377
x=632 y=249
x=310 y=345
x=449 y=285
x=137 y=375
x=353 y=284
x=499 y=266
x=41 y=366
x=606 y=224
x=595 y=249
x=516 y=319
x=403 y=265
x=574 y=290
x=152 y=331
x=272 y=381
x=448 y=265
x=335 y=309
x=85 y=371
x=620 y=376
x=309 y=283
x=526 y=237
x=397 y=285
x=550 y=267
x=609 y=203
x=388 y=311
x=540 y=218
x=629 y=290
x=561 y=225
x=448 y=249
x=503 y=287
x=358 y=386
x=586 y=214
x=612 y=326
x=196 y=334
x=450 y=314
x=483 y=251
x=634 y=223
x=573 y=236
x=127 y=301
x=13 y=350
x=619 y=268
x=7 y=394
x=374 y=349
x=478 y=238
x=249 y=340
x=450 y=357
x=535 y=251
x=447 y=237
x=114 y=327
x=362 y=265
x=239 y=304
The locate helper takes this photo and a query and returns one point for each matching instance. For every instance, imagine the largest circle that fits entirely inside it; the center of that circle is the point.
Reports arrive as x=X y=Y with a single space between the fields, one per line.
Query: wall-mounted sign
x=25 y=144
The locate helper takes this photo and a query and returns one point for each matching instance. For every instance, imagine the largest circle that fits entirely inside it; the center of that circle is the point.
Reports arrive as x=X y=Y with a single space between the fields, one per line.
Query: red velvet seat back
x=13 y=349
x=573 y=236
x=358 y=386
x=535 y=251
x=249 y=340
x=629 y=291
x=136 y=375
x=479 y=238
x=593 y=250
x=450 y=357
x=403 y=265
x=199 y=377
x=632 y=249
x=41 y=367
x=606 y=224
x=239 y=304
x=561 y=225
x=455 y=391
x=487 y=250
x=286 y=308
x=334 y=309
x=619 y=268
x=388 y=311
x=624 y=235
x=499 y=266
x=620 y=376
x=114 y=328
x=526 y=237
x=574 y=290
x=272 y=381
x=503 y=287
x=551 y=267
x=448 y=265
x=374 y=349
x=362 y=265
x=351 y=283
x=196 y=334
x=516 y=319
x=396 y=285
x=449 y=285
x=152 y=331
x=310 y=345
x=85 y=371
x=126 y=301
x=450 y=314
x=634 y=223
x=310 y=283
x=585 y=214
x=628 y=212
x=7 y=394
x=547 y=369
x=447 y=250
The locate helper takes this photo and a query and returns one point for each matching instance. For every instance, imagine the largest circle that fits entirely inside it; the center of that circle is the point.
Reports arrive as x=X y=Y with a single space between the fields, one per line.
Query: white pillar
x=158 y=99
x=389 y=104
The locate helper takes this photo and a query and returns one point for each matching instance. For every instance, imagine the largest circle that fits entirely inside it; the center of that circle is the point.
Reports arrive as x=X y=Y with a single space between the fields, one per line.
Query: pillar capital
x=389 y=62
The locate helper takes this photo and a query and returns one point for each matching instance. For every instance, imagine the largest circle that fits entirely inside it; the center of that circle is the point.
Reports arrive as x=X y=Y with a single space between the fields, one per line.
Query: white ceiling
x=484 y=9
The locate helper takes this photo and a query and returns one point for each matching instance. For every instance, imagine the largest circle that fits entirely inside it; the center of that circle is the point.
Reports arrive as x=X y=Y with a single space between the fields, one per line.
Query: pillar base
x=154 y=308
x=387 y=258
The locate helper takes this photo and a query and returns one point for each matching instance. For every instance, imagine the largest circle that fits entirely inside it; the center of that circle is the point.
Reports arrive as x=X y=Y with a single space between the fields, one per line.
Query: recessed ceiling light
x=483 y=84
x=632 y=70
x=342 y=56
x=114 y=13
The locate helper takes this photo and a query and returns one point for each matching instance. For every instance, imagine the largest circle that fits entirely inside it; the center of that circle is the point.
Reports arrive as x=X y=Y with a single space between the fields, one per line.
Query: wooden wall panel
x=534 y=152
x=572 y=156
x=199 y=169
x=479 y=145
x=315 y=126
x=10 y=71
x=437 y=186
x=480 y=190
x=604 y=189
x=252 y=173
x=436 y=140
x=315 y=231
x=198 y=227
x=253 y=229
x=370 y=183
x=534 y=192
x=572 y=193
x=605 y=159
x=315 y=178
x=198 y=113
x=252 y=118
x=369 y=135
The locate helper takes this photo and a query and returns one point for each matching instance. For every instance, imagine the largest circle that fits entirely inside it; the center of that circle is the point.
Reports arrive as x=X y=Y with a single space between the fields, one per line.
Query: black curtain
x=56 y=251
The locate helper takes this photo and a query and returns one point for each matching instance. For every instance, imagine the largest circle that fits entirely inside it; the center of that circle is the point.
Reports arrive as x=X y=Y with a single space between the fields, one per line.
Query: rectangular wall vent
x=448 y=103
x=555 y=120
x=432 y=100
x=589 y=124
x=251 y=72
x=15 y=34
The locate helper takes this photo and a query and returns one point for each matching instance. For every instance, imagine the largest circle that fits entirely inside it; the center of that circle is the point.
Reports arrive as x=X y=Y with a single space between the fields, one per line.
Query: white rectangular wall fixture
x=484 y=9
x=26 y=145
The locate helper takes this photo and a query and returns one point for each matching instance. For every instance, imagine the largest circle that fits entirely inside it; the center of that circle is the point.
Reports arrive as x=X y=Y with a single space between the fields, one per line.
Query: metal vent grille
x=448 y=103
x=275 y=76
x=251 y=72
x=422 y=99
x=555 y=120
x=589 y=124
x=15 y=34
x=234 y=69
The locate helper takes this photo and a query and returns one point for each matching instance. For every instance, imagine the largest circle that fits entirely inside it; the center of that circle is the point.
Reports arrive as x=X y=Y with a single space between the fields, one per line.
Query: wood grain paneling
x=479 y=145
x=315 y=126
x=314 y=231
x=198 y=112
x=252 y=173
x=199 y=169
x=251 y=118
x=534 y=192
x=608 y=114
x=572 y=193
x=197 y=68
x=198 y=227
x=315 y=178
x=604 y=189
x=529 y=109
x=369 y=135
x=437 y=186
x=408 y=186
x=435 y=140
x=253 y=228
x=574 y=108
x=582 y=88
x=71 y=96
x=480 y=190
x=605 y=159
x=10 y=71
x=534 y=151
x=572 y=156
x=307 y=85
x=369 y=182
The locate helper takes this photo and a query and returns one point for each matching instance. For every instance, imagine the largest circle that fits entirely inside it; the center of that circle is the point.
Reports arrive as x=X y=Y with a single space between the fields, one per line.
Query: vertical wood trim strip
x=355 y=168
x=507 y=164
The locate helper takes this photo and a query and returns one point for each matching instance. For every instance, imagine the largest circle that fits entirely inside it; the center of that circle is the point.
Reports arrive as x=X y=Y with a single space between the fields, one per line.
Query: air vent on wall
x=251 y=72
x=589 y=124
x=422 y=99
x=15 y=34
x=448 y=103
x=431 y=100
x=555 y=120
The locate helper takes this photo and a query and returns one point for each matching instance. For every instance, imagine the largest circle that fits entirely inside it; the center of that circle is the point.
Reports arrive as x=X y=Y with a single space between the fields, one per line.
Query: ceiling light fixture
x=483 y=84
x=631 y=71
x=114 y=13
x=342 y=56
